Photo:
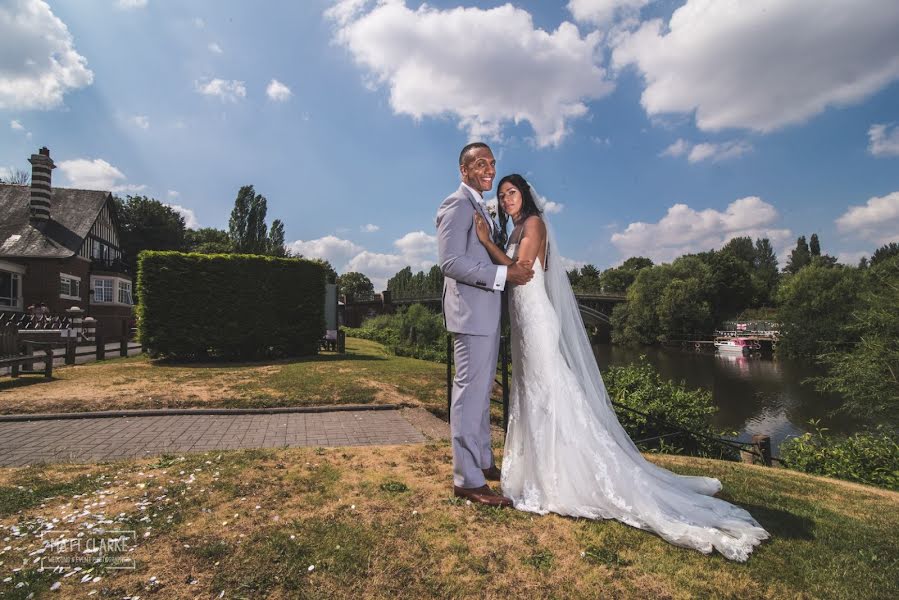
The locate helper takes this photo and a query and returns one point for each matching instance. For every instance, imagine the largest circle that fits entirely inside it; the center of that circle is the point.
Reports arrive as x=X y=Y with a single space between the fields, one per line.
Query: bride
x=565 y=450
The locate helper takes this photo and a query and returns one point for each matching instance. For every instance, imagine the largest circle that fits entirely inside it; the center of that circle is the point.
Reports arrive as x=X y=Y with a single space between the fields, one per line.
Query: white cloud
x=506 y=70
x=678 y=148
x=96 y=174
x=333 y=249
x=418 y=246
x=214 y=48
x=345 y=11
x=416 y=249
x=226 y=90
x=718 y=152
x=141 y=121
x=369 y=228
x=883 y=140
x=277 y=91
x=684 y=230
x=172 y=194
x=190 y=217
x=553 y=208
x=707 y=150
x=602 y=12
x=131 y=4
x=569 y=263
x=851 y=258
x=877 y=221
x=199 y=23
x=16 y=126
x=38 y=60
x=763 y=65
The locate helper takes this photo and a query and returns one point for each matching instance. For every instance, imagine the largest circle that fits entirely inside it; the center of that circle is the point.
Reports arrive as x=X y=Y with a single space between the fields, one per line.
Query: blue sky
x=655 y=128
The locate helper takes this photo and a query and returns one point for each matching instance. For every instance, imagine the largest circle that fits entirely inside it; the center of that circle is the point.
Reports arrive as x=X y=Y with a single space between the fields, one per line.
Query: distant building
x=61 y=247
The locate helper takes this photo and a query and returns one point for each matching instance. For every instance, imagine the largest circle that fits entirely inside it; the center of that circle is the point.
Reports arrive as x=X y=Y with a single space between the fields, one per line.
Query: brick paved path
x=97 y=439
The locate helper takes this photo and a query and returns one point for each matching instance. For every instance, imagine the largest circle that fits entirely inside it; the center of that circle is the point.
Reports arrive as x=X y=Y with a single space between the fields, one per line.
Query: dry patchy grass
x=380 y=522
x=365 y=374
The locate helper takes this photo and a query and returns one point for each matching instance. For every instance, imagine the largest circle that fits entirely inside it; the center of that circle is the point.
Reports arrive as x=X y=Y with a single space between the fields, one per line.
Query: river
x=753 y=394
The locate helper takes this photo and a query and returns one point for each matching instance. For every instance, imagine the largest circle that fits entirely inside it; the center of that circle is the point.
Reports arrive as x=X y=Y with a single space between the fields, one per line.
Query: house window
x=69 y=287
x=102 y=290
x=10 y=289
x=100 y=251
x=124 y=292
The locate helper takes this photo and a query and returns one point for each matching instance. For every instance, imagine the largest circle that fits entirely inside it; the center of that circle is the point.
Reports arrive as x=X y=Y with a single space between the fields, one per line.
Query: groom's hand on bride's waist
x=520 y=272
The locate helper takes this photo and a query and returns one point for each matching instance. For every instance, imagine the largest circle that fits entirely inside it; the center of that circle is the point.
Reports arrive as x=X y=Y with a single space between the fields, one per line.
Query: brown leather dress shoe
x=492 y=474
x=482 y=495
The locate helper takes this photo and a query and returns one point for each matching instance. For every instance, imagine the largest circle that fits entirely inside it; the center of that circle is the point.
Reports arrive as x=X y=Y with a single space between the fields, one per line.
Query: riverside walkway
x=95 y=437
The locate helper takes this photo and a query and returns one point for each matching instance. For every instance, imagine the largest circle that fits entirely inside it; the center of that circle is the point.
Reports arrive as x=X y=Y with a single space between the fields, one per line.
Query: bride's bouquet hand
x=482 y=229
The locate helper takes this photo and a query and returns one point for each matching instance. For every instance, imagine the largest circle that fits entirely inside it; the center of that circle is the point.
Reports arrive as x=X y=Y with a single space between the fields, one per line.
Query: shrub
x=667 y=403
x=414 y=331
x=195 y=306
x=870 y=457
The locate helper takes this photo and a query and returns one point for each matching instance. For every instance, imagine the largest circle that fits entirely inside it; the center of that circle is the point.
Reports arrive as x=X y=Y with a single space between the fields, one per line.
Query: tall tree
x=246 y=227
x=866 y=374
x=148 y=224
x=765 y=274
x=814 y=306
x=207 y=240
x=814 y=245
x=884 y=252
x=401 y=281
x=742 y=249
x=275 y=243
x=435 y=279
x=799 y=257
x=355 y=284
x=330 y=273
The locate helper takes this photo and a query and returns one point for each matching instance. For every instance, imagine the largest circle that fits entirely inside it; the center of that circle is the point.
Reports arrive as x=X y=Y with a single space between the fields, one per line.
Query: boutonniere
x=491 y=205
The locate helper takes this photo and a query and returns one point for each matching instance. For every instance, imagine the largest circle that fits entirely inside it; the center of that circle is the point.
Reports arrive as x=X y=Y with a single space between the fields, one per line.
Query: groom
x=472 y=291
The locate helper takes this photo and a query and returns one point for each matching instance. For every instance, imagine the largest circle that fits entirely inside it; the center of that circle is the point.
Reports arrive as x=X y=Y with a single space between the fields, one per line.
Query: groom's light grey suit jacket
x=470 y=305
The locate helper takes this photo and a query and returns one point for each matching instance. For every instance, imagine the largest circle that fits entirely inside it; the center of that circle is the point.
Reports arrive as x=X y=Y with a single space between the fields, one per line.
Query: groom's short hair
x=468 y=149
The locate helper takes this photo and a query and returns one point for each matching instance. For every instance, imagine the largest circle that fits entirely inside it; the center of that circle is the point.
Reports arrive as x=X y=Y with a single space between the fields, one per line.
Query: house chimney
x=41 y=167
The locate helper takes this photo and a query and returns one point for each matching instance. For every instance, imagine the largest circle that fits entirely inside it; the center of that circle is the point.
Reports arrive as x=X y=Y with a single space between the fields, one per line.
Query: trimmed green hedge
x=235 y=306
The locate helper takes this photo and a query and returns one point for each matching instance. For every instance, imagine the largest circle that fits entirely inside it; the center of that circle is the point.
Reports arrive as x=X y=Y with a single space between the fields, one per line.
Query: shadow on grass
x=780 y=523
x=23 y=381
x=229 y=364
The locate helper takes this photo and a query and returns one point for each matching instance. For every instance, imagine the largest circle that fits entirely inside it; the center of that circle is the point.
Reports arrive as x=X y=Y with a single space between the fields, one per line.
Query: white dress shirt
x=499 y=283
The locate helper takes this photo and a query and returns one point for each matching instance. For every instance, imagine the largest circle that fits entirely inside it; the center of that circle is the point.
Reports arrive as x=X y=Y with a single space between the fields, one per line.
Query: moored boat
x=736 y=345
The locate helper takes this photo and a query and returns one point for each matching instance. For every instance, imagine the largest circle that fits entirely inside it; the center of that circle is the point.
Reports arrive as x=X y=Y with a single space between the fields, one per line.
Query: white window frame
x=17 y=272
x=71 y=278
x=123 y=285
x=115 y=290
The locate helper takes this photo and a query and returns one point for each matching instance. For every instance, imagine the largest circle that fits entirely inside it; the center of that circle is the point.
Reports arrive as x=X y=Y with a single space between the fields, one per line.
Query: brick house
x=61 y=247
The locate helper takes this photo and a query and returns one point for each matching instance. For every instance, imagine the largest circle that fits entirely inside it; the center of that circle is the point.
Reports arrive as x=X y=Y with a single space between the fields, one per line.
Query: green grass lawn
x=381 y=523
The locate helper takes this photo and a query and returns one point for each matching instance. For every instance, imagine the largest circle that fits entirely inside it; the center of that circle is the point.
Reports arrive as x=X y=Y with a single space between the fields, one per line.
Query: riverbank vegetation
x=871 y=457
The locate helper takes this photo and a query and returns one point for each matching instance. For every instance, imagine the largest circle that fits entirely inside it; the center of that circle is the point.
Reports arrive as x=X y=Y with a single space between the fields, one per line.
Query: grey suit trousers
x=475 y=357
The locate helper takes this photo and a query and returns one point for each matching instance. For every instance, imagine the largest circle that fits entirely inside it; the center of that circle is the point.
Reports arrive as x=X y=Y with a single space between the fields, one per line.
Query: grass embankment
x=365 y=374
x=380 y=523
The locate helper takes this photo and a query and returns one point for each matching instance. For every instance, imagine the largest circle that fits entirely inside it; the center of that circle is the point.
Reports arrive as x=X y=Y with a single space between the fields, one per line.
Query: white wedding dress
x=567 y=453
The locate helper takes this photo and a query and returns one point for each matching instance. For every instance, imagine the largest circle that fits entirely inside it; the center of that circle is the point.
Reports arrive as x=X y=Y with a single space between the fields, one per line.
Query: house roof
x=72 y=214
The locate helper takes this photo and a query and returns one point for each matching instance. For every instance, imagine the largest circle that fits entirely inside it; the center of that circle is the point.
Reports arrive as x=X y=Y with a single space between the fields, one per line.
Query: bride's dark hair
x=528 y=203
